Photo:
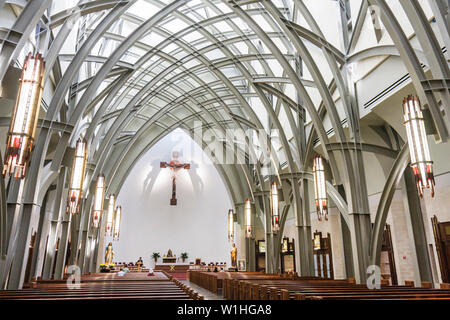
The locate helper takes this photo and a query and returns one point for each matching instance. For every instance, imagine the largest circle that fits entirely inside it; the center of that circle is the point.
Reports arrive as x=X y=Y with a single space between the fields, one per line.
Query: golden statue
x=169 y=254
x=139 y=264
x=109 y=254
x=234 y=256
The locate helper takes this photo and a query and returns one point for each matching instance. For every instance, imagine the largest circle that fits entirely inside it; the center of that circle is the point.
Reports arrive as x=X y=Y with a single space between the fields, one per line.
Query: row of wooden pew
x=192 y=293
x=259 y=286
x=213 y=281
x=132 y=286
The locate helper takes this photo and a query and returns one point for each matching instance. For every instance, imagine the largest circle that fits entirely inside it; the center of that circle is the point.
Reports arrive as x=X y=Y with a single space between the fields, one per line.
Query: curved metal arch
x=138 y=136
x=287 y=149
x=383 y=50
x=352 y=179
x=82 y=9
x=394 y=177
x=106 y=68
x=291 y=73
x=116 y=179
x=411 y=62
x=3 y=215
x=125 y=115
x=20 y=32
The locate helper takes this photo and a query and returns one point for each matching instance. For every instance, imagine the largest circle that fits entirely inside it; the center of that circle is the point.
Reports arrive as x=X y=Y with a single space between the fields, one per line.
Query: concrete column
x=63 y=244
x=13 y=219
x=347 y=248
x=84 y=237
x=41 y=236
x=416 y=229
x=303 y=242
x=30 y=214
x=60 y=197
x=360 y=238
x=307 y=232
x=268 y=236
x=346 y=241
x=85 y=225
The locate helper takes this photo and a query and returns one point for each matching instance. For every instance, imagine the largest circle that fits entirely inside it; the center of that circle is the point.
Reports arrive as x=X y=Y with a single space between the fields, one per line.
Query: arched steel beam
x=367 y=147
x=383 y=50
x=413 y=65
x=20 y=32
x=63 y=33
x=117 y=178
x=82 y=9
x=291 y=73
x=106 y=68
x=384 y=204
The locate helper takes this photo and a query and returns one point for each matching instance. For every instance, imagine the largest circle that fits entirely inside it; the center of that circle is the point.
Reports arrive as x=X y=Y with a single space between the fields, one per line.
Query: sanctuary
x=225 y=150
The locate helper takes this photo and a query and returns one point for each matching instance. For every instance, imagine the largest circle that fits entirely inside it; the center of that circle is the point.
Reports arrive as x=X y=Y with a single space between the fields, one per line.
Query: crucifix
x=175 y=165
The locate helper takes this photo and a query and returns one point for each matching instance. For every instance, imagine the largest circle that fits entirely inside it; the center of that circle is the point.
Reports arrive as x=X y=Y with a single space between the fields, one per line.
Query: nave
x=289 y=150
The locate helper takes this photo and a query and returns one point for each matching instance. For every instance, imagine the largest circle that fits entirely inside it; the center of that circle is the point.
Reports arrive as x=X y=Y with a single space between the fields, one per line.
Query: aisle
x=208 y=295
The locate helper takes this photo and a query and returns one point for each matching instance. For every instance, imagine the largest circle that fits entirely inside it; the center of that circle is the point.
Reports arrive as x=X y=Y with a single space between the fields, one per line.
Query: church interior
x=224 y=150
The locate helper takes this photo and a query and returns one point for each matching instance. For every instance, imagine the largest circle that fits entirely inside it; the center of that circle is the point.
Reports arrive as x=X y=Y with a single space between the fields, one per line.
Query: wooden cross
x=175 y=165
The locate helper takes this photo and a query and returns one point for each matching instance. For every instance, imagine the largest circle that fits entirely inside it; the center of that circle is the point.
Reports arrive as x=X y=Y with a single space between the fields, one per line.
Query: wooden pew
x=313 y=289
x=136 y=286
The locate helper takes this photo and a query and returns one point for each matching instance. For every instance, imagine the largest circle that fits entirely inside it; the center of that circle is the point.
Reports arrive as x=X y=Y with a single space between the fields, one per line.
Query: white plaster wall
x=197 y=225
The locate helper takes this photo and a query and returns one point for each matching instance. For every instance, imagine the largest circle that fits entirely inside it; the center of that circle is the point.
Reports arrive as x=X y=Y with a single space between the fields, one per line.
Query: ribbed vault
x=142 y=68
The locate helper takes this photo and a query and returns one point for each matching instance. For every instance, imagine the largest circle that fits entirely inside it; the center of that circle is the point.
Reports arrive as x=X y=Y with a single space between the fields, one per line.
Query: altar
x=170 y=260
x=169 y=257
x=172 y=267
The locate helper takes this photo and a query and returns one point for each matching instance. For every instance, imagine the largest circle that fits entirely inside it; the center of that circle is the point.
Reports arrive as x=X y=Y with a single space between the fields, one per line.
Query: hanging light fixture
x=24 y=119
x=230 y=225
x=110 y=216
x=421 y=163
x=248 y=219
x=274 y=207
x=77 y=179
x=98 y=201
x=320 y=188
x=117 y=223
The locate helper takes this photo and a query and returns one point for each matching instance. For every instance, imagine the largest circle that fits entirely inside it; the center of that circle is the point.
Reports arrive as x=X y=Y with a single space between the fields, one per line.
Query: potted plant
x=155 y=256
x=184 y=256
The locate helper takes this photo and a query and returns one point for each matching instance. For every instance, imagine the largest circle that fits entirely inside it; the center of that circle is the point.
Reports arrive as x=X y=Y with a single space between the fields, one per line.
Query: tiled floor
x=203 y=292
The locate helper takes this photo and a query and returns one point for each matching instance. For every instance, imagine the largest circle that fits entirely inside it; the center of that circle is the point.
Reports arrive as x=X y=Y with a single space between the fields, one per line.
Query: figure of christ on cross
x=174 y=166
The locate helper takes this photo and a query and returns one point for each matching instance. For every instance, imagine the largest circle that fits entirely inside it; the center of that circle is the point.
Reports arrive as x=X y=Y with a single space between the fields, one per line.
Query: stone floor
x=203 y=292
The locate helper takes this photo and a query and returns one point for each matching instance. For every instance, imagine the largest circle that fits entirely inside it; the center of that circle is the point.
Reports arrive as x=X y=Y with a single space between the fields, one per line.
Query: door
x=442 y=240
x=387 y=261
x=323 y=257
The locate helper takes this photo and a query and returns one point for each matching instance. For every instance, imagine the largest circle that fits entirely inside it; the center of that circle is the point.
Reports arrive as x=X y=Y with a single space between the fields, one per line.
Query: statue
x=234 y=256
x=169 y=253
x=139 y=264
x=174 y=165
x=109 y=254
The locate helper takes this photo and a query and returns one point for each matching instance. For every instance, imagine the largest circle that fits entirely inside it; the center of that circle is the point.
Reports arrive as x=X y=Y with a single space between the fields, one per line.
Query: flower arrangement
x=104 y=265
